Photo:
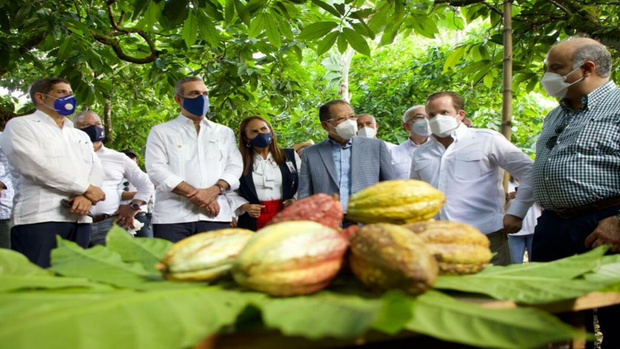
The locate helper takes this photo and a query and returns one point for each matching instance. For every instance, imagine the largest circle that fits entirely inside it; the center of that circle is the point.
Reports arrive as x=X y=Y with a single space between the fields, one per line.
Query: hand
x=213 y=208
x=202 y=197
x=81 y=205
x=512 y=224
x=94 y=194
x=287 y=203
x=252 y=209
x=607 y=232
x=125 y=216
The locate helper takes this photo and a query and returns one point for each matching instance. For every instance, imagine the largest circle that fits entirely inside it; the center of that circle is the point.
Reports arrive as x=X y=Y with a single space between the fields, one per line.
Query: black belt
x=568 y=213
x=101 y=217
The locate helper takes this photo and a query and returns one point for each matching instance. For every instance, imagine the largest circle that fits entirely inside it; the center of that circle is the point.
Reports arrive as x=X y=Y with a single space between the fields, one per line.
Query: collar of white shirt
x=187 y=122
x=48 y=119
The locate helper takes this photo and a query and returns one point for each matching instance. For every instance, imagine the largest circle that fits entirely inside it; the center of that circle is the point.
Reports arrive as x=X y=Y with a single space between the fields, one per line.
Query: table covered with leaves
x=113 y=297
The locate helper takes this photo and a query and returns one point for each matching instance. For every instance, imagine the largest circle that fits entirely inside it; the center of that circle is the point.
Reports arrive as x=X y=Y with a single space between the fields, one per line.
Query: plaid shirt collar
x=592 y=98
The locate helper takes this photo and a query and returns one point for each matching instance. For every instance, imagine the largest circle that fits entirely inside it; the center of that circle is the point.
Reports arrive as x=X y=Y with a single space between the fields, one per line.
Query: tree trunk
x=507 y=78
x=345 y=65
x=107 y=120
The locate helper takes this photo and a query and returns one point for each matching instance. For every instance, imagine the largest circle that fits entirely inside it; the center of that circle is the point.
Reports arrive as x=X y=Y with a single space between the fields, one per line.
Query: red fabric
x=266 y=213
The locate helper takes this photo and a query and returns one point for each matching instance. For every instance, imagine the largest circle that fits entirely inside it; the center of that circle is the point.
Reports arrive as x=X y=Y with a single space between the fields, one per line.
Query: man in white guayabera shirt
x=59 y=174
x=193 y=163
x=466 y=164
x=415 y=122
x=116 y=167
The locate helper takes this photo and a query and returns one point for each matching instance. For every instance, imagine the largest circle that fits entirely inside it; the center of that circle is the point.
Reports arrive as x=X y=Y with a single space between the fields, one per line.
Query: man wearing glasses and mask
x=576 y=174
x=343 y=164
x=415 y=122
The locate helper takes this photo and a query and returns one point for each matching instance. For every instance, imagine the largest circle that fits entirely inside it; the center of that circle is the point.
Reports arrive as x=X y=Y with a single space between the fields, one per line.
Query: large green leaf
x=532 y=283
x=123 y=319
x=146 y=251
x=443 y=317
x=356 y=41
x=316 y=30
x=18 y=273
x=190 y=28
x=325 y=314
x=102 y=265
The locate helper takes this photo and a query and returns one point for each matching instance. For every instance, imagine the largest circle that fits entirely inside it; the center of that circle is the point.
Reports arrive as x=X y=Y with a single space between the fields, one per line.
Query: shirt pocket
x=423 y=169
x=469 y=166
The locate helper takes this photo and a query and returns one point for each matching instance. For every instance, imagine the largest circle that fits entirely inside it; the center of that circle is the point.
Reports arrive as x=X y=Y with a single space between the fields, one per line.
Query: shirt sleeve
x=156 y=162
x=234 y=163
x=4 y=170
x=519 y=165
x=386 y=170
x=139 y=179
x=19 y=143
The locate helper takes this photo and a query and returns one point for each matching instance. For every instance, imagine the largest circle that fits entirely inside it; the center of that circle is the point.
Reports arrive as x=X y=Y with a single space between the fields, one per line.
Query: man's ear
x=324 y=125
x=39 y=98
x=406 y=126
x=178 y=99
x=460 y=115
x=589 y=67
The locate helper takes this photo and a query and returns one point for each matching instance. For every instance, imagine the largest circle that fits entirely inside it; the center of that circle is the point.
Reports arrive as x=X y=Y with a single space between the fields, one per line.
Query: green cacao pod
x=290 y=258
x=396 y=201
x=385 y=256
x=459 y=248
x=204 y=256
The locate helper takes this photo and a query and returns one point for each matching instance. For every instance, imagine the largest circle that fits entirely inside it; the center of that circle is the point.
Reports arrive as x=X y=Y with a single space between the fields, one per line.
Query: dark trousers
x=147 y=230
x=177 y=231
x=36 y=241
x=556 y=237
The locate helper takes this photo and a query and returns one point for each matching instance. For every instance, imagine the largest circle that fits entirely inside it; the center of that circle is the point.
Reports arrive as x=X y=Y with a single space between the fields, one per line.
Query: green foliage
x=42 y=310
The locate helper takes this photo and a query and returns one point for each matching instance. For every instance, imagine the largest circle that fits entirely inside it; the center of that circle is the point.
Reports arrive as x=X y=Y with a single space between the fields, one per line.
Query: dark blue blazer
x=247 y=190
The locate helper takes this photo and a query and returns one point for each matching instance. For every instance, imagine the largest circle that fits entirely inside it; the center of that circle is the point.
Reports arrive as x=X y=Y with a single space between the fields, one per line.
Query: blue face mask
x=96 y=133
x=65 y=105
x=261 y=140
x=197 y=106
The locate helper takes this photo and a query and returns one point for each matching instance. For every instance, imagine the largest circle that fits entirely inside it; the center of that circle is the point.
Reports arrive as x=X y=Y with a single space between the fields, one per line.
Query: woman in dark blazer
x=270 y=174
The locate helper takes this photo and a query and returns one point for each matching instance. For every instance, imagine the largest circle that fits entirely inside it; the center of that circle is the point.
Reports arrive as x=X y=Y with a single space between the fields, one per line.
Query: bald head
x=85 y=119
x=580 y=50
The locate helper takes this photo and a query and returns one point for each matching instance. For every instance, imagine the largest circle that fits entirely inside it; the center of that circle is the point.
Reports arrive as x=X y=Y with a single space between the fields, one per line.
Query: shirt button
x=546 y=178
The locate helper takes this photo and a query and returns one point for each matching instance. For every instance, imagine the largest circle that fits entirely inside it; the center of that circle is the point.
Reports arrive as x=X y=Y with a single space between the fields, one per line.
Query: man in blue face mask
x=576 y=173
x=193 y=163
x=59 y=173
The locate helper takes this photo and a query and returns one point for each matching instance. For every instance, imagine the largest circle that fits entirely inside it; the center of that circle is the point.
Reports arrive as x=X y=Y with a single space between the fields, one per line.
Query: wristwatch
x=134 y=206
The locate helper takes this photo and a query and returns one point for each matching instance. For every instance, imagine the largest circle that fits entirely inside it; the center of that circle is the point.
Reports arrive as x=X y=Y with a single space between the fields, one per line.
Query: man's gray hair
x=178 y=88
x=596 y=53
x=406 y=116
x=78 y=119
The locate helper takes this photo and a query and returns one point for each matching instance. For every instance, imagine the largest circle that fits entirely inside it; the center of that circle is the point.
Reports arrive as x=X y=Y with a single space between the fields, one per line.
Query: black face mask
x=96 y=133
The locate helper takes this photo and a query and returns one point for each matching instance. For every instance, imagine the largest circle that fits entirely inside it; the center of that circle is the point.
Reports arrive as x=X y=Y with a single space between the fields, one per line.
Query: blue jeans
x=178 y=231
x=100 y=231
x=36 y=241
x=517 y=245
x=147 y=230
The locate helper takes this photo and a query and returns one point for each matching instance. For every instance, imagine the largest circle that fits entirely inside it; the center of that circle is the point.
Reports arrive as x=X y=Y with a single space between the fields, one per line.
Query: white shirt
x=469 y=173
x=401 y=158
x=176 y=153
x=267 y=179
x=116 y=167
x=531 y=217
x=7 y=178
x=53 y=164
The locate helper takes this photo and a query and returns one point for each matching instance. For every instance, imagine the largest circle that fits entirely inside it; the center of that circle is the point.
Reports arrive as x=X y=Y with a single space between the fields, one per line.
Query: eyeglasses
x=340 y=119
x=554 y=140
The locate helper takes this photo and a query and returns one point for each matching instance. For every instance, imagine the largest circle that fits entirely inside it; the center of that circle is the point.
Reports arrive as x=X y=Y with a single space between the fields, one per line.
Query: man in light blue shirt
x=343 y=164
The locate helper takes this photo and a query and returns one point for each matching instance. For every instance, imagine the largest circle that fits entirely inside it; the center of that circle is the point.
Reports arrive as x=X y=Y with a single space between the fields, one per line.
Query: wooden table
x=270 y=339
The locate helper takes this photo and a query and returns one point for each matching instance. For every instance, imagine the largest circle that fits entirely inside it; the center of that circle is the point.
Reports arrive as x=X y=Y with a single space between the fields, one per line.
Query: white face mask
x=346 y=129
x=556 y=85
x=442 y=125
x=367 y=132
x=421 y=127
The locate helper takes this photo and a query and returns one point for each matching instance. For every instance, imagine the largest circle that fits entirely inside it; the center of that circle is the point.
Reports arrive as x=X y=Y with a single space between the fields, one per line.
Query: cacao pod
x=459 y=248
x=396 y=201
x=320 y=208
x=385 y=256
x=290 y=258
x=204 y=256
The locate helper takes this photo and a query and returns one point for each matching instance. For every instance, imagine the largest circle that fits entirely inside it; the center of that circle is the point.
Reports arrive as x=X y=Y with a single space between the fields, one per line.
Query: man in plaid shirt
x=576 y=175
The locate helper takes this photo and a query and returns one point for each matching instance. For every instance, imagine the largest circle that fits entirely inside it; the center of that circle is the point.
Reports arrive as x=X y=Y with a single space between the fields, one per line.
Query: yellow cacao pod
x=204 y=256
x=396 y=201
x=290 y=258
x=459 y=248
x=385 y=256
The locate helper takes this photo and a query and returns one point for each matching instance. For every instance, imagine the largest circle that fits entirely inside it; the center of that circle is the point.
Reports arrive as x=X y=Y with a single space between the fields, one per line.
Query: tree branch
x=115 y=44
